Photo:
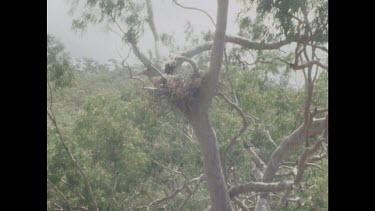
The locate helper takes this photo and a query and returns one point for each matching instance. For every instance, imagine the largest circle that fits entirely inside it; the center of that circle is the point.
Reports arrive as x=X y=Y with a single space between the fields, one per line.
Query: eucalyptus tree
x=300 y=25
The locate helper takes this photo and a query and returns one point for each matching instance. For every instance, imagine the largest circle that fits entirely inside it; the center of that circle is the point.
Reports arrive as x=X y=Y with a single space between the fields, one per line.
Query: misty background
x=100 y=44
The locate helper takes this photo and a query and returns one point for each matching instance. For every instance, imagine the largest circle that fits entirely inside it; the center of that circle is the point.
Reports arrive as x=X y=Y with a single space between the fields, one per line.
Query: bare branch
x=239 y=41
x=193 y=8
x=197 y=50
x=284 y=199
x=316 y=74
x=180 y=131
x=309 y=92
x=51 y=96
x=259 y=187
x=240 y=204
x=244 y=121
x=246 y=43
x=259 y=163
x=302 y=161
x=294 y=170
x=229 y=79
x=59 y=192
x=151 y=22
x=74 y=161
x=152 y=71
x=199 y=180
x=169 y=169
x=301 y=167
x=292 y=141
x=127 y=66
x=308 y=64
x=113 y=191
x=191 y=62
x=317 y=127
x=172 y=195
x=319 y=47
x=239 y=133
x=317 y=158
x=270 y=138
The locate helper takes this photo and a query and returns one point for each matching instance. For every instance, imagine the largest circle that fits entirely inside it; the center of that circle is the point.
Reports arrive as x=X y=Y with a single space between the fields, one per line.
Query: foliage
x=112 y=128
x=136 y=150
x=59 y=67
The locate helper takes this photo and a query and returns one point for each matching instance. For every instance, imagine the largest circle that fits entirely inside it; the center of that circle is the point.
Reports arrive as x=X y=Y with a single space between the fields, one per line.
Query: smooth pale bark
x=198 y=115
x=259 y=187
x=241 y=41
x=211 y=161
x=199 y=118
x=283 y=151
x=151 y=22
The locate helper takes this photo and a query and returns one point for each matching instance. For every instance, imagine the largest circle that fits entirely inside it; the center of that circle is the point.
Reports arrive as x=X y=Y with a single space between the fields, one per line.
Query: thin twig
x=193 y=8
x=191 y=193
x=59 y=192
x=74 y=161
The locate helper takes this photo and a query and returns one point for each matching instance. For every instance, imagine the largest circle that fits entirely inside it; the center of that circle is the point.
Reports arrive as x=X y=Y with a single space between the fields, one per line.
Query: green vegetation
x=106 y=130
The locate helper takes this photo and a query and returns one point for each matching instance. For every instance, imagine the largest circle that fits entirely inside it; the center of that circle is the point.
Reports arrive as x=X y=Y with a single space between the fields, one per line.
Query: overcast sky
x=101 y=45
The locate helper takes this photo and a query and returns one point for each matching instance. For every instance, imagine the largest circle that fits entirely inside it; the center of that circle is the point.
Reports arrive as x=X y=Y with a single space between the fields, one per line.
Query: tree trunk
x=199 y=118
x=211 y=161
x=198 y=115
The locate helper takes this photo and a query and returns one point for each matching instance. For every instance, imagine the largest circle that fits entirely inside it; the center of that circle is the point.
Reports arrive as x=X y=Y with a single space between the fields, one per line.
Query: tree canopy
x=219 y=124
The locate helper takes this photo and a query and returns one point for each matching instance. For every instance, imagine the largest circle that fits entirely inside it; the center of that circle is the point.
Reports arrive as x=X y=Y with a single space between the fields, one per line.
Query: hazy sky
x=101 y=45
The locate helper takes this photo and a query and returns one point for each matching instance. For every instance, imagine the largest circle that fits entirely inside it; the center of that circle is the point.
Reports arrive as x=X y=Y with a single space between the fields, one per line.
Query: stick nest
x=179 y=90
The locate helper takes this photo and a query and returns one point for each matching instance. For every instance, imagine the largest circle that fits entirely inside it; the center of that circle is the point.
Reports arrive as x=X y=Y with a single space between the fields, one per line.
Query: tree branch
x=76 y=164
x=151 y=71
x=229 y=79
x=259 y=187
x=113 y=191
x=246 y=43
x=59 y=192
x=239 y=41
x=193 y=8
x=151 y=23
x=169 y=169
x=216 y=58
x=240 y=204
x=239 y=133
x=292 y=141
x=254 y=157
x=244 y=122
x=191 y=62
x=317 y=158
x=172 y=195
x=308 y=64
x=301 y=166
x=199 y=180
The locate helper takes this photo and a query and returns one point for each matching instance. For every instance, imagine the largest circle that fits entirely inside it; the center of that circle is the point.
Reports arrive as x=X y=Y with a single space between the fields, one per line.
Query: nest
x=181 y=91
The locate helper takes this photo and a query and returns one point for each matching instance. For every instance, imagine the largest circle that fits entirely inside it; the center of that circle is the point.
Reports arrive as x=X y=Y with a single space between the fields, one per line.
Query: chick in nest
x=170 y=67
